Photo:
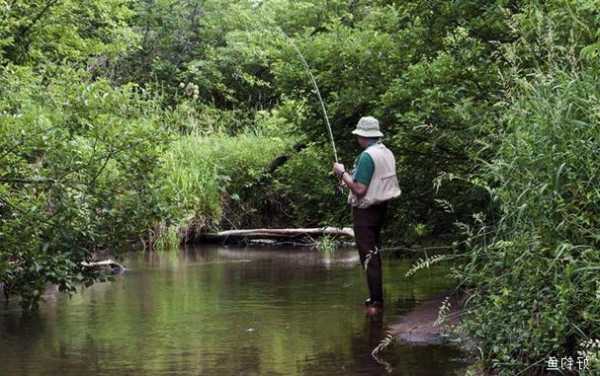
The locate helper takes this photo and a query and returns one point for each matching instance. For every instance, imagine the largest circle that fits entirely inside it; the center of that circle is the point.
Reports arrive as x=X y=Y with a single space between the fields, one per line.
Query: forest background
x=147 y=122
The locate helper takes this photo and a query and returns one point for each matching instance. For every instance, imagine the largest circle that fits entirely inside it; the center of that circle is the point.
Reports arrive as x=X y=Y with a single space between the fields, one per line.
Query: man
x=372 y=184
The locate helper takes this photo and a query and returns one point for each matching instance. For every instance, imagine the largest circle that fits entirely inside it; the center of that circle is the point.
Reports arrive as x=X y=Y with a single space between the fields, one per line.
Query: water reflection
x=225 y=311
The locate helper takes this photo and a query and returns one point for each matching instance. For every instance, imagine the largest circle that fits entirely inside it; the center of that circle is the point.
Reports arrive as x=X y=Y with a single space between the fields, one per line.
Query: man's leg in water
x=367 y=229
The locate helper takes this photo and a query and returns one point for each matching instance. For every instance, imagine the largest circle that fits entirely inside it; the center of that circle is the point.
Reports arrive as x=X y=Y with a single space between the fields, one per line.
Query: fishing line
x=314 y=82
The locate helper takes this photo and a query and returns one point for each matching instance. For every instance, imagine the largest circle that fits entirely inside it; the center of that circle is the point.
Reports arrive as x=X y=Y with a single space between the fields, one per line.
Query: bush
x=307 y=190
x=536 y=292
x=78 y=159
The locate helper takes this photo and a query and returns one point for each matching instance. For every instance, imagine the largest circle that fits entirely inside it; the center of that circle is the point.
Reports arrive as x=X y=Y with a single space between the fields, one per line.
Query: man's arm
x=358 y=188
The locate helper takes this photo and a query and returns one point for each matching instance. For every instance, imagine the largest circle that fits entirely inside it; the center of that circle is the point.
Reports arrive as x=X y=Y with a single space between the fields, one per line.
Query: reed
x=327 y=245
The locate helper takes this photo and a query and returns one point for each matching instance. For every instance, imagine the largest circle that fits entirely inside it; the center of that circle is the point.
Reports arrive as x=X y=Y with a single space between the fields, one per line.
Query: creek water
x=227 y=311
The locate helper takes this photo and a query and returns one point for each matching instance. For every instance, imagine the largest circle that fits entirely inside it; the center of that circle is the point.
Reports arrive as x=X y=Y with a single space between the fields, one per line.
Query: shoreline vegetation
x=128 y=124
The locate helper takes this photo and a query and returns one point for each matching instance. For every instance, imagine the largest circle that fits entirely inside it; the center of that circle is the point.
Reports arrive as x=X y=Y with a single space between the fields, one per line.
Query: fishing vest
x=384 y=182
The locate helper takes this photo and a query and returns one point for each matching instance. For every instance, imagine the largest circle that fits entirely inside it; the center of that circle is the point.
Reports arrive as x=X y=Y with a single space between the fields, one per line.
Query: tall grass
x=202 y=172
x=327 y=245
x=190 y=173
x=535 y=289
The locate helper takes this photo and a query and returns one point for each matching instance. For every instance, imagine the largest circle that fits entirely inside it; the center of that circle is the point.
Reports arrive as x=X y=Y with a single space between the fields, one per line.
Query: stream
x=214 y=310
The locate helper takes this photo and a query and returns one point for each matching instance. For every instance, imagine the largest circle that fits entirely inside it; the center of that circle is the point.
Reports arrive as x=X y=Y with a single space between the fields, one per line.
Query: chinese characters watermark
x=568 y=363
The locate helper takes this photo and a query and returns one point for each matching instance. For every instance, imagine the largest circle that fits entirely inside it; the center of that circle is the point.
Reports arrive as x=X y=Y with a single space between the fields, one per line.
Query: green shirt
x=363 y=168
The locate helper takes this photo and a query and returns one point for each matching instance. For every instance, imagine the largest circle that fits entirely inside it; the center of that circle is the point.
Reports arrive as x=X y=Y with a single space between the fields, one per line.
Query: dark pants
x=367 y=234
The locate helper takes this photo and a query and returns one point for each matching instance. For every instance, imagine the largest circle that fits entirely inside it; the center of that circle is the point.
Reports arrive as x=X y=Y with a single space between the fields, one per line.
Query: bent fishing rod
x=314 y=83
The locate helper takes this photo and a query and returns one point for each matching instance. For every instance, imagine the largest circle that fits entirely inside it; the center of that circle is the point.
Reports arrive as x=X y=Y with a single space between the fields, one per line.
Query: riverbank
x=423 y=325
x=435 y=321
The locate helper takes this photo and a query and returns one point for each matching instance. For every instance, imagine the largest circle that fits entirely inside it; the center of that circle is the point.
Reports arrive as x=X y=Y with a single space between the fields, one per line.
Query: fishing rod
x=314 y=82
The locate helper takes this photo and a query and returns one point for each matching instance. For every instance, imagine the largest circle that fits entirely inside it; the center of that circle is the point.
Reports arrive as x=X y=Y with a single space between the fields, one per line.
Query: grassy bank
x=210 y=182
x=539 y=262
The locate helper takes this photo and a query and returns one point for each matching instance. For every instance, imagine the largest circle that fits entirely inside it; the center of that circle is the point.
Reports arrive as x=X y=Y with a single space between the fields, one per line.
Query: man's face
x=362 y=141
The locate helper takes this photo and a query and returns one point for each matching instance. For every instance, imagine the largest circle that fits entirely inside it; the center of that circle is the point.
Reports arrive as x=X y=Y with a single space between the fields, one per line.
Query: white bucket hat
x=368 y=126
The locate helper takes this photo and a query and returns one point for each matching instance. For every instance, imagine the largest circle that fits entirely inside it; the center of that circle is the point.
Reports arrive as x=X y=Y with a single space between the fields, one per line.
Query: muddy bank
x=419 y=325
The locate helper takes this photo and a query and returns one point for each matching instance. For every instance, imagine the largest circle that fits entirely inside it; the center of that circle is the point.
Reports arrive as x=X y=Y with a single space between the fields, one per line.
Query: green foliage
x=427 y=69
x=78 y=158
x=168 y=238
x=307 y=189
x=327 y=245
x=555 y=33
x=201 y=174
x=538 y=259
x=542 y=261
x=35 y=31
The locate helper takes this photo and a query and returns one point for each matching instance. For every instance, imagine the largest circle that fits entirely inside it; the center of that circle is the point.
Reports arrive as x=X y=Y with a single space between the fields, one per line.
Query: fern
x=443 y=312
x=424 y=263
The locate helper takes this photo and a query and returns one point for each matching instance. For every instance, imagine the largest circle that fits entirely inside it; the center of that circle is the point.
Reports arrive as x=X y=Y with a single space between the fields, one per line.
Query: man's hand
x=357 y=188
x=338 y=169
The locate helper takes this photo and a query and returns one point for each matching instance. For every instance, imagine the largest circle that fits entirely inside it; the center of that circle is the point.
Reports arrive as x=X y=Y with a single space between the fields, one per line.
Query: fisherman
x=372 y=184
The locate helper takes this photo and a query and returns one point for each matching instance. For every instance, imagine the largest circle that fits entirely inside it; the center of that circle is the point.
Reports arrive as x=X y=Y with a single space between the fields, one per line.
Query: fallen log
x=279 y=233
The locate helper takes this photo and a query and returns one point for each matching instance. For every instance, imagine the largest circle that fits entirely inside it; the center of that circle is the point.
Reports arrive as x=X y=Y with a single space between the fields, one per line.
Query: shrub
x=307 y=190
x=536 y=291
x=78 y=158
